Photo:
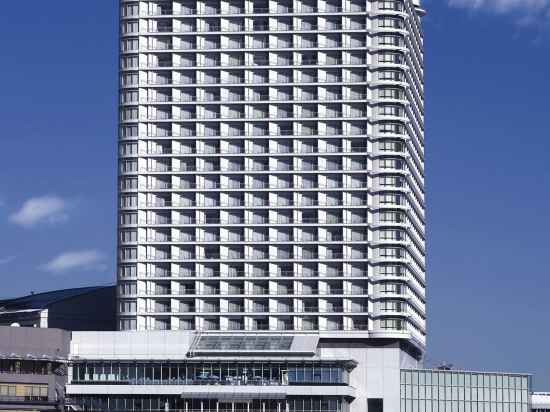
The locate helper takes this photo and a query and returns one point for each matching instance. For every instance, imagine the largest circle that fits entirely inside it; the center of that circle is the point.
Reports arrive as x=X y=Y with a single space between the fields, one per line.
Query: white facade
x=540 y=402
x=271 y=167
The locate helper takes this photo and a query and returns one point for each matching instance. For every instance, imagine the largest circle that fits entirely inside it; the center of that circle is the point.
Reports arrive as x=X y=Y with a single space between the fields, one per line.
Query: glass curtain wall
x=456 y=391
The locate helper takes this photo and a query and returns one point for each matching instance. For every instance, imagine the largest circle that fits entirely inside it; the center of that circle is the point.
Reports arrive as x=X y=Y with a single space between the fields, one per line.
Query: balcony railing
x=242 y=256
x=242 y=274
x=255 y=150
x=263 y=27
x=282 y=133
x=237 y=185
x=258 y=10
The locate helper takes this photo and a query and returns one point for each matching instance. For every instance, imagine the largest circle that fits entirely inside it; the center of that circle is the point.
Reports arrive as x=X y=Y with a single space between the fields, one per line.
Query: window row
x=238 y=7
x=130 y=403
x=474 y=394
x=209 y=373
x=260 y=129
x=24 y=391
x=422 y=405
x=246 y=42
x=172 y=80
x=30 y=367
x=467 y=379
x=258 y=7
x=131 y=236
x=130 y=271
x=249 y=146
x=274 y=77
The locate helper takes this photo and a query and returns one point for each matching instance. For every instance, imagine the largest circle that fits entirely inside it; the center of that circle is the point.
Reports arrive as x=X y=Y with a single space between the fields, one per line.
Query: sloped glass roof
x=243 y=343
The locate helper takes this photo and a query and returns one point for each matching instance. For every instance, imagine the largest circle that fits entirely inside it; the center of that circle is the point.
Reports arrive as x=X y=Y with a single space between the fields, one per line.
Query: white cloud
x=51 y=209
x=7 y=259
x=505 y=6
x=526 y=13
x=75 y=260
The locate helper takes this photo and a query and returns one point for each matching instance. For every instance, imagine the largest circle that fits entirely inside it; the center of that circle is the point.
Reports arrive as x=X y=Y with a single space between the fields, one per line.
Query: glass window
x=300 y=377
x=415 y=392
x=308 y=374
x=292 y=374
x=173 y=372
x=329 y=375
x=429 y=377
x=454 y=379
x=421 y=378
x=316 y=374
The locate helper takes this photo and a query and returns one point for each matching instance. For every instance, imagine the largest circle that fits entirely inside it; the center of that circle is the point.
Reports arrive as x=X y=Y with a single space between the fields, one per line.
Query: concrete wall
x=132 y=345
x=377 y=374
x=34 y=341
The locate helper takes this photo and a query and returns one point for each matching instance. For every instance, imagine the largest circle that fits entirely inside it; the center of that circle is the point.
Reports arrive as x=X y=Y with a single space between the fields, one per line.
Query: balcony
x=358 y=327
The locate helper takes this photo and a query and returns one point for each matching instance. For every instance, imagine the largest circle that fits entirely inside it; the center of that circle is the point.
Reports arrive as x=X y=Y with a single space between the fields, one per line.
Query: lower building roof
x=43 y=300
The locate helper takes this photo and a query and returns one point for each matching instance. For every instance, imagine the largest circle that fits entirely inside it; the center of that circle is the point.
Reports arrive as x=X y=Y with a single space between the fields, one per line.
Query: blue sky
x=488 y=141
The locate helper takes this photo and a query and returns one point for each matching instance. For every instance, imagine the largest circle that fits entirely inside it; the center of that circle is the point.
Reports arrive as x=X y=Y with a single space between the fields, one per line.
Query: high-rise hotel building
x=271 y=167
x=271 y=220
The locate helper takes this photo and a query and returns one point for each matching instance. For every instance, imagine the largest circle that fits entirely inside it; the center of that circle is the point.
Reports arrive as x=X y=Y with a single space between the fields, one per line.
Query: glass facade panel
x=457 y=391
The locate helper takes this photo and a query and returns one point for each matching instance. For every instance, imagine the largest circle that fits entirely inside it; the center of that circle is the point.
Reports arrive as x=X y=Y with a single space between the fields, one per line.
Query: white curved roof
x=540 y=400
